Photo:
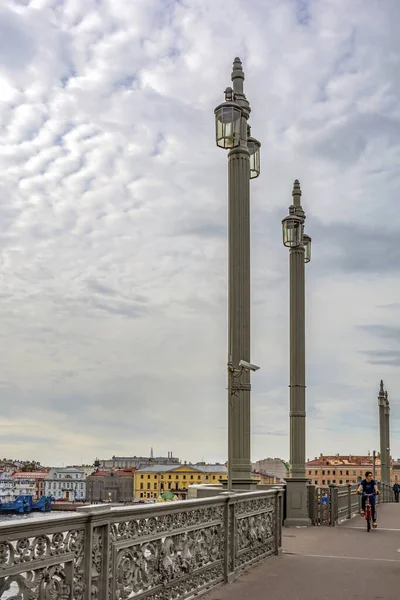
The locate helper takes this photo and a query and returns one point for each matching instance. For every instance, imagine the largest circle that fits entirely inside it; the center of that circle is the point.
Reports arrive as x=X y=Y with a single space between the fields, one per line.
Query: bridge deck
x=328 y=563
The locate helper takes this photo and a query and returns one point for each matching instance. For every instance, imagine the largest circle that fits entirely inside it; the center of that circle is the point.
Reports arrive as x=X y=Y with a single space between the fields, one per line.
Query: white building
x=66 y=483
x=6 y=487
x=275 y=466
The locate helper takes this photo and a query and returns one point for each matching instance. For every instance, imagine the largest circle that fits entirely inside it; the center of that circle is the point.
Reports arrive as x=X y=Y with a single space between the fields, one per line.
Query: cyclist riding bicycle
x=369 y=486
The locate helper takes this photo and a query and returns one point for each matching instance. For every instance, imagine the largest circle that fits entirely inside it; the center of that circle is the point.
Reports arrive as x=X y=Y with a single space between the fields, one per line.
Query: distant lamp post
x=382 y=431
x=299 y=245
x=233 y=134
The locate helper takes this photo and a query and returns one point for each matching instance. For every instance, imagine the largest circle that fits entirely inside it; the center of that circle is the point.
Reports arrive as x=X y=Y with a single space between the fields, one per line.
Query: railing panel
x=168 y=551
x=44 y=560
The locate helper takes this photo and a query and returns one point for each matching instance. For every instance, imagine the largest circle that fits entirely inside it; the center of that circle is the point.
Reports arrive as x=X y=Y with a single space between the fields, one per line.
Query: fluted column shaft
x=382 y=436
x=239 y=460
x=297 y=364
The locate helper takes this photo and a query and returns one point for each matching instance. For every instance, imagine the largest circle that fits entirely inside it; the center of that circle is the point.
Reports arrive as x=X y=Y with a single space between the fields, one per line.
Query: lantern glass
x=253 y=146
x=227 y=125
x=292 y=230
x=307 y=248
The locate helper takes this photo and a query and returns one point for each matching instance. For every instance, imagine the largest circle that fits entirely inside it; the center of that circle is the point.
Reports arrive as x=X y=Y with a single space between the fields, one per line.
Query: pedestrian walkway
x=328 y=563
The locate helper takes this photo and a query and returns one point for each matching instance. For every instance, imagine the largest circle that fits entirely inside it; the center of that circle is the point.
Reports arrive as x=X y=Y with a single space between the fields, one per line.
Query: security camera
x=248 y=366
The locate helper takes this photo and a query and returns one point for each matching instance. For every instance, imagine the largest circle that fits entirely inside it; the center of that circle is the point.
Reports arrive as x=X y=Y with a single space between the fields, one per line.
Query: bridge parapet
x=172 y=550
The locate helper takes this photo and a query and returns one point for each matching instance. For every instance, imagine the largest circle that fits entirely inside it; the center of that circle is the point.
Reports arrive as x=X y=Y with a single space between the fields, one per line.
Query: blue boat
x=25 y=504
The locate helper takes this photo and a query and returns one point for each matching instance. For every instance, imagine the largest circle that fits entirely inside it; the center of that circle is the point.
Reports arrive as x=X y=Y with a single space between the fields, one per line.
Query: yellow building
x=152 y=480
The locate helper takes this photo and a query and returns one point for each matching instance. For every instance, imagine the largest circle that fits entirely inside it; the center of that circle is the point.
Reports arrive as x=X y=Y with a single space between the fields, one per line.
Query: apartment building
x=326 y=470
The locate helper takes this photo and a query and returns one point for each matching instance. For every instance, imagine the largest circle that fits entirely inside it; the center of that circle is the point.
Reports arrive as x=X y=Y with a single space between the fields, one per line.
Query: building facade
x=153 y=480
x=6 y=487
x=274 y=466
x=66 y=484
x=29 y=484
x=114 y=486
x=134 y=462
x=340 y=470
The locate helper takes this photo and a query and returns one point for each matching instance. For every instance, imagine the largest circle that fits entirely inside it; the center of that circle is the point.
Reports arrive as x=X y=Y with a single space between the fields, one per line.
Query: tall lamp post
x=382 y=431
x=233 y=134
x=299 y=245
x=387 y=428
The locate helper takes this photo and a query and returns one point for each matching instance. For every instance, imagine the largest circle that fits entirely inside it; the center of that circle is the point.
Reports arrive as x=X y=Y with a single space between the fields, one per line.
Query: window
x=162 y=476
x=169 y=476
x=354 y=472
x=206 y=476
x=340 y=481
x=141 y=477
x=340 y=472
x=198 y=476
x=191 y=477
x=329 y=482
x=184 y=477
x=169 y=485
x=309 y=472
x=329 y=472
x=315 y=472
x=323 y=482
x=333 y=472
x=176 y=476
x=347 y=481
x=148 y=476
x=316 y=482
x=155 y=476
x=141 y=486
x=323 y=472
x=148 y=486
x=347 y=472
x=333 y=480
x=213 y=476
x=141 y=494
x=155 y=486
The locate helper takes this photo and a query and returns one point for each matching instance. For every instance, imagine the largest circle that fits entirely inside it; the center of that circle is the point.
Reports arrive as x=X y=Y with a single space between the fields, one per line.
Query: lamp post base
x=297 y=503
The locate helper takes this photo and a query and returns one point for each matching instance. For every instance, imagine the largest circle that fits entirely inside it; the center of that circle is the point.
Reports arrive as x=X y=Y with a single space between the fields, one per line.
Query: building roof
x=119 y=473
x=347 y=460
x=29 y=475
x=166 y=468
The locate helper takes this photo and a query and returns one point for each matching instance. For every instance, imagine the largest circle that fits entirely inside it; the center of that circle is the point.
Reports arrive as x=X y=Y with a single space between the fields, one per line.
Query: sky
x=113 y=223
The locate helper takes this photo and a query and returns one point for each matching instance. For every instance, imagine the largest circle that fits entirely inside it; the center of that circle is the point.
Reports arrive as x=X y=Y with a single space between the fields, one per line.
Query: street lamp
x=233 y=134
x=299 y=245
x=382 y=431
x=387 y=427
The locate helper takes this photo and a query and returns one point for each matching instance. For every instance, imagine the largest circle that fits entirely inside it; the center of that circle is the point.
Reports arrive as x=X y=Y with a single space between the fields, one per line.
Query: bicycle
x=368 y=510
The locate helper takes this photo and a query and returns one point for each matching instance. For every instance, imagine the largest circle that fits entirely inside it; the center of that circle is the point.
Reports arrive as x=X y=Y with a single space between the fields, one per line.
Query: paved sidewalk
x=328 y=563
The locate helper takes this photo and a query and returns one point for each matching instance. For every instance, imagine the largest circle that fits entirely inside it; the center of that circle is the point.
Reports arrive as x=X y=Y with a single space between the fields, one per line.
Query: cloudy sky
x=113 y=222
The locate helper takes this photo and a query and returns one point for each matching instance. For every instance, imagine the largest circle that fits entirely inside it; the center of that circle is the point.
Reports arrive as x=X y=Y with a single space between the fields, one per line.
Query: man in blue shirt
x=368 y=486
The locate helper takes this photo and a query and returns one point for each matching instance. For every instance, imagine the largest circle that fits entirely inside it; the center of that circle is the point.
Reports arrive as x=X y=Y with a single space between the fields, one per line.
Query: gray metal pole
x=297 y=506
x=374 y=464
x=382 y=431
x=387 y=431
x=239 y=451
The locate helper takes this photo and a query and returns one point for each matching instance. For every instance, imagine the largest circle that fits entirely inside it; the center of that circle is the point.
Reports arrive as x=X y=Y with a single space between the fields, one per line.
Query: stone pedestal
x=297 y=503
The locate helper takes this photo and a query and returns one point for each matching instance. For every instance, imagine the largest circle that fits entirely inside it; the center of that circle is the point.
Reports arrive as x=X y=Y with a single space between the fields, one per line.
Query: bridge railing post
x=312 y=490
x=349 y=501
x=333 y=503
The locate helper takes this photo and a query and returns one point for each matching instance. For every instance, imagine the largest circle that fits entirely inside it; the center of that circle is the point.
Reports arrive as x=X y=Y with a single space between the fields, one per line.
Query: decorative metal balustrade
x=330 y=505
x=166 y=551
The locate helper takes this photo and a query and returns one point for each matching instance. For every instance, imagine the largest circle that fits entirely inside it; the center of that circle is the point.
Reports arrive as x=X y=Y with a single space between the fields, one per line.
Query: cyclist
x=368 y=486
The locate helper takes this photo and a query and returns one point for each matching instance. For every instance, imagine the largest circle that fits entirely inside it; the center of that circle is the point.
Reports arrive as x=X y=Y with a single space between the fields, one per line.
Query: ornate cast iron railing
x=155 y=552
x=333 y=504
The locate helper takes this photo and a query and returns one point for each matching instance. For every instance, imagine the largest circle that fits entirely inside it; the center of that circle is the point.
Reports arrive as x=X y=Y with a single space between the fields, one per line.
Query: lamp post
x=299 y=245
x=233 y=134
x=382 y=431
x=387 y=429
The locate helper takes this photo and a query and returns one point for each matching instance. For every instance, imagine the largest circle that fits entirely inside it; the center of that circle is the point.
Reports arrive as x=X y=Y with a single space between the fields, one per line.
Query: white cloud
x=113 y=221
